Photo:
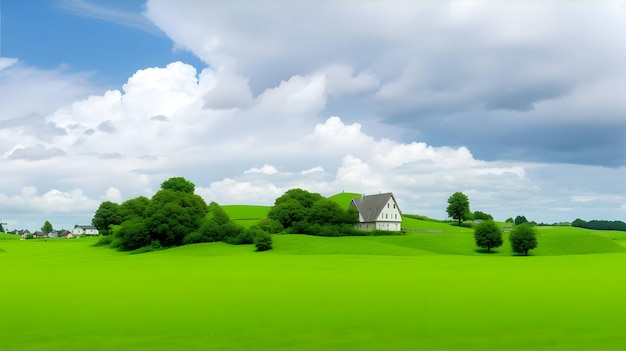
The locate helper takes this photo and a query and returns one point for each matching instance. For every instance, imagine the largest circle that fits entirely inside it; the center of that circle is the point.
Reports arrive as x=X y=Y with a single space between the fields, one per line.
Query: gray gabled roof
x=370 y=206
x=85 y=226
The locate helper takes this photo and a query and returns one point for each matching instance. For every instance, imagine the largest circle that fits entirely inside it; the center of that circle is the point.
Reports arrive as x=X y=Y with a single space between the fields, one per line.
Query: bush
x=30 y=236
x=262 y=241
x=104 y=240
x=192 y=238
x=270 y=225
x=133 y=235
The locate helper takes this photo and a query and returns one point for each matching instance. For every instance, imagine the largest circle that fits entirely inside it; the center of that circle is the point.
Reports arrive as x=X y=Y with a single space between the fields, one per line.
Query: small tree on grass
x=523 y=238
x=47 y=228
x=458 y=207
x=262 y=240
x=488 y=235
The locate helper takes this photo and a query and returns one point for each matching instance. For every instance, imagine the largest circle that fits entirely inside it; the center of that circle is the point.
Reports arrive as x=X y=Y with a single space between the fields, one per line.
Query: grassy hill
x=246 y=215
x=5 y=236
x=370 y=293
x=344 y=199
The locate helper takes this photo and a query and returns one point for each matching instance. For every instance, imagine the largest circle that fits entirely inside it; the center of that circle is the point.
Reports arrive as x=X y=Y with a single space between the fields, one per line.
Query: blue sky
x=109 y=39
x=517 y=104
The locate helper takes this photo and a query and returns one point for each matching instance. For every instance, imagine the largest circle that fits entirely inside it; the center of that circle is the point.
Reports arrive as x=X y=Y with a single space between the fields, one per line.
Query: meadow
x=422 y=290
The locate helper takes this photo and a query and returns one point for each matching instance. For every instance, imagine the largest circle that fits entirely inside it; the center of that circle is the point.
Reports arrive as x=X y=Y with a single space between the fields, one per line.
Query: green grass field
x=423 y=290
x=246 y=215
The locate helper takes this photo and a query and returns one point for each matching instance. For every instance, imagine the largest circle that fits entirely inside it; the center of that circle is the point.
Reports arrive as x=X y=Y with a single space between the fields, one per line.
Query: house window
x=394 y=205
x=387 y=205
x=396 y=215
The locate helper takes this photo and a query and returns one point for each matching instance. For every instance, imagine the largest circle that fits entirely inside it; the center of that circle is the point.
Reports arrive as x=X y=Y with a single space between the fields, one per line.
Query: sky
x=519 y=105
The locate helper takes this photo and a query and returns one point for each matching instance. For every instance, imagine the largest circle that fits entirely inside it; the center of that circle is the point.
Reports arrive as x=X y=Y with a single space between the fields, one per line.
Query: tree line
x=174 y=216
x=599 y=224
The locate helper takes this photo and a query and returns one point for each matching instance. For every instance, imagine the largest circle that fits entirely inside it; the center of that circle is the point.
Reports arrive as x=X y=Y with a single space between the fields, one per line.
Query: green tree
x=458 y=206
x=133 y=234
x=520 y=219
x=509 y=220
x=47 y=228
x=488 y=235
x=523 y=238
x=482 y=215
x=106 y=215
x=305 y=198
x=174 y=212
x=179 y=184
x=287 y=212
x=134 y=208
x=262 y=240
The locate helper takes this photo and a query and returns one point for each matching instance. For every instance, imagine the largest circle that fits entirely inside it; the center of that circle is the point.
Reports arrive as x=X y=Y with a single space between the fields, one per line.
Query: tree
x=287 y=212
x=509 y=220
x=47 y=228
x=133 y=234
x=305 y=198
x=134 y=208
x=458 y=206
x=262 y=240
x=488 y=235
x=108 y=214
x=523 y=238
x=520 y=220
x=171 y=215
x=179 y=184
x=482 y=215
x=174 y=211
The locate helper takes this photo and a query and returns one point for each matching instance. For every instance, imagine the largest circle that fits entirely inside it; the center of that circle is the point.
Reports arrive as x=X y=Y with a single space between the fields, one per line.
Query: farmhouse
x=84 y=230
x=66 y=235
x=378 y=212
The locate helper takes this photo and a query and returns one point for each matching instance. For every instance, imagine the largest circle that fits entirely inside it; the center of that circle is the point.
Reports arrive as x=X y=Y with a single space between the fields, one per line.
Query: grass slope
x=5 y=236
x=246 y=215
x=369 y=293
x=344 y=199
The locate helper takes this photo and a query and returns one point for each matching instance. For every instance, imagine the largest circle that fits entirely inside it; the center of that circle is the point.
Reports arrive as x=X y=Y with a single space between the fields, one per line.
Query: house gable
x=379 y=211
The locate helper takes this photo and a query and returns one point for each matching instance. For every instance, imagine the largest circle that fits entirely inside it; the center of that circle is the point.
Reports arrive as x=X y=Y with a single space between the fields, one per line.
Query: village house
x=84 y=230
x=380 y=212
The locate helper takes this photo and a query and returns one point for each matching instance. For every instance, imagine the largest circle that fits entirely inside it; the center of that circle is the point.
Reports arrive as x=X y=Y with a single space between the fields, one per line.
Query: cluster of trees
x=174 y=216
x=302 y=212
x=459 y=209
x=488 y=236
x=599 y=224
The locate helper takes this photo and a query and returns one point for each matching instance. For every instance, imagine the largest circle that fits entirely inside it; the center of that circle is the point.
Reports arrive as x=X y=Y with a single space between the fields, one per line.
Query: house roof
x=370 y=206
x=85 y=226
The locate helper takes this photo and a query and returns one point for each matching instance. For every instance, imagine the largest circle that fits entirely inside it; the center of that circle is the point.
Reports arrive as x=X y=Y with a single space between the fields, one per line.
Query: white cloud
x=266 y=169
x=313 y=170
x=307 y=98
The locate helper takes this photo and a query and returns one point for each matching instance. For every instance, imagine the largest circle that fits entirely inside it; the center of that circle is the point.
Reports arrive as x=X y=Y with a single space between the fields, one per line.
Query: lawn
x=418 y=291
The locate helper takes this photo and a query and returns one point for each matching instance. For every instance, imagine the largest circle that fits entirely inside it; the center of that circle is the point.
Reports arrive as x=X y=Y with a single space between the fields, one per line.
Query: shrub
x=263 y=241
x=133 y=235
x=270 y=225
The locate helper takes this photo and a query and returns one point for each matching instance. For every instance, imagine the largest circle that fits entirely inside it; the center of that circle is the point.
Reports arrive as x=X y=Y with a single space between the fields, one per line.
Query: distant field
x=246 y=215
x=344 y=199
x=5 y=236
x=417 y=291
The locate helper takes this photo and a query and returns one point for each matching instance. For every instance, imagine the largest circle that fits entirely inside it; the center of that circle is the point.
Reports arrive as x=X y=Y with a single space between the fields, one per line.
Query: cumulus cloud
x=507 y=70
x=34 y=153
x=366 y=102
x=266 y=169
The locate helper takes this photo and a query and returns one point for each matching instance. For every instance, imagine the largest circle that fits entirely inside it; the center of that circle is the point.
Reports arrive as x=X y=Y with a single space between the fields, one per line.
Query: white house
x=379 y=211
x=84 y=230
